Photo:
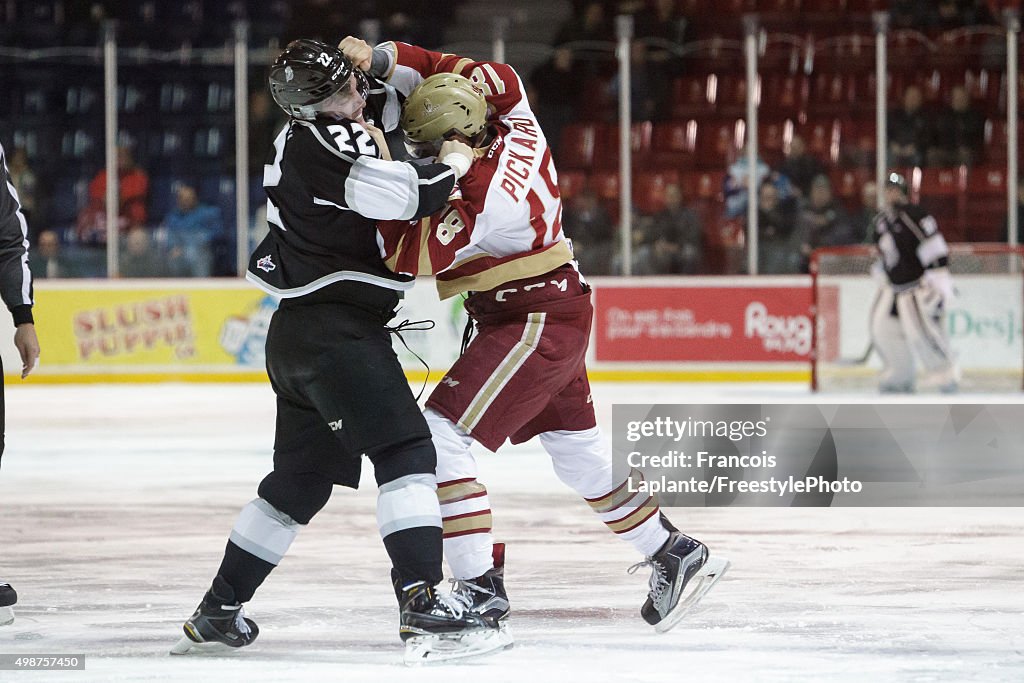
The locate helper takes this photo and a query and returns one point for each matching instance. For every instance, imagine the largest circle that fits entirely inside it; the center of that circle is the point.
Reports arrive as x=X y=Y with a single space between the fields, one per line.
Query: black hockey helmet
x=307 y=73
x=897 y=180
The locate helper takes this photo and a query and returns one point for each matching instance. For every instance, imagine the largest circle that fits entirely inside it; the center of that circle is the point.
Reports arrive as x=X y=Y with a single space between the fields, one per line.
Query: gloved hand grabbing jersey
x=456 y=154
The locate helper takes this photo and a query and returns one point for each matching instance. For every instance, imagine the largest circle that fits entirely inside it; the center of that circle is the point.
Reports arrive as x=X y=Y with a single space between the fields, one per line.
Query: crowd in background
x=799 y=206
x=176 y=214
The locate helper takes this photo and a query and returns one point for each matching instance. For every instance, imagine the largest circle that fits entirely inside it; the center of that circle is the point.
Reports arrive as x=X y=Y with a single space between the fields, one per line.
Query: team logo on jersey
x=265 y=264
x=289 y=75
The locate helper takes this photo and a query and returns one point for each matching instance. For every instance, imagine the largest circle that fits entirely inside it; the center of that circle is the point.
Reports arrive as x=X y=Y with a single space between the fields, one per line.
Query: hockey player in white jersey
x=500 y=241
x=908 y=321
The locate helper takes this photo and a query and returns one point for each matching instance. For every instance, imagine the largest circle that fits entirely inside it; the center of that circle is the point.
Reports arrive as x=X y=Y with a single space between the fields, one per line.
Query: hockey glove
x=456 y=154
x=940 y=281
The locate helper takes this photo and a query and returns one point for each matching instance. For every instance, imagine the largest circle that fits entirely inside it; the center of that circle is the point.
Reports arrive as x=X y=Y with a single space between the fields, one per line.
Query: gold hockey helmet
x=442 y=104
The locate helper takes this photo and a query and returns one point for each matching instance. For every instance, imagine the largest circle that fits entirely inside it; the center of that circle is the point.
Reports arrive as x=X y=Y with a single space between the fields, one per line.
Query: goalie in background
x=908 y=321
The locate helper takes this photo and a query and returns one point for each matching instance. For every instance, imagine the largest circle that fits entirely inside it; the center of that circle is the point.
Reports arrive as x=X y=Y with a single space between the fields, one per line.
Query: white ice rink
x=115 y=504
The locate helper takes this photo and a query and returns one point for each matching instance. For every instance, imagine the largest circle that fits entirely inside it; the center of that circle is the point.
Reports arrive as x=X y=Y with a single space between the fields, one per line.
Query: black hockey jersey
x=909 y=240
x=15 y=278
x=327 y=186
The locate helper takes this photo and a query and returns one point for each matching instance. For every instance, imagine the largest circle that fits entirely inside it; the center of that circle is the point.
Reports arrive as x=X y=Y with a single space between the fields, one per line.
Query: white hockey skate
x=8 y=598
x=681 y=574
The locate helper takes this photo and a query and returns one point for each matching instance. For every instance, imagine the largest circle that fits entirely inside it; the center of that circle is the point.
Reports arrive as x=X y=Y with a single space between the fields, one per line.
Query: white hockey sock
x=581 y=462
x=465 y=507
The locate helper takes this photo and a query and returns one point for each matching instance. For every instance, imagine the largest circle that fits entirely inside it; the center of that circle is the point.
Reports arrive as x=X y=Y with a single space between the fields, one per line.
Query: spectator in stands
x=590 y=25
x=46 y=260
x=644 y=91
x=139 y=258
x=777 y=254
x=735 y=189
x=822 y=222
x=864 y=220
x=673 y=239
x=188 y=231
x=914 y=14
x=663 y=23
x=25 y=182
x=948 y=15
x=909 y=130
x=592 y=233
x=133 y=193
x=959 y=132
x=556 y=87
x=660 y=28
x=800 y=167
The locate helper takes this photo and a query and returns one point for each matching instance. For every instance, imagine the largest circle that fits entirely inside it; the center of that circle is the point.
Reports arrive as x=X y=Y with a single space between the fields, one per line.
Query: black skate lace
x=658 y=582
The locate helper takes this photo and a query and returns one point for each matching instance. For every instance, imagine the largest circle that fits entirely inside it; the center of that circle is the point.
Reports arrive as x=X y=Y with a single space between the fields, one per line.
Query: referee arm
x=15 y=278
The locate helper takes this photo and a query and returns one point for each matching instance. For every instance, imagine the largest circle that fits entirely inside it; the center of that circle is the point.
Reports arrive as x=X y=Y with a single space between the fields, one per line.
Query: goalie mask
x=308 y=74
x=439 y=107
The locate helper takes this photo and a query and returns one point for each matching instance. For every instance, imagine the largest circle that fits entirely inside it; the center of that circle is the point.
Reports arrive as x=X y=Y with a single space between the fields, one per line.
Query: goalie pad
x=922 y=320
x=891 y=344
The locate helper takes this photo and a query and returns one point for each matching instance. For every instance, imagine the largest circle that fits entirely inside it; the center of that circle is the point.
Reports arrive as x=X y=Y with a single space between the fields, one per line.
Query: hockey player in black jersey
x=908 y=321
x=341 y=392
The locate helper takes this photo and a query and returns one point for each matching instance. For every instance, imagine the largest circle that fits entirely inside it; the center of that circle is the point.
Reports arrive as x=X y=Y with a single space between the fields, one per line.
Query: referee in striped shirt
x=16 y=290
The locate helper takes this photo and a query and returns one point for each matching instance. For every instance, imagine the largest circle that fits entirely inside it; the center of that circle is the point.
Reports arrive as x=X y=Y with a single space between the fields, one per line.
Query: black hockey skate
x=485 y=595
x=8 y=599
x=218 y=621
x=437 y=627
x=682 y=561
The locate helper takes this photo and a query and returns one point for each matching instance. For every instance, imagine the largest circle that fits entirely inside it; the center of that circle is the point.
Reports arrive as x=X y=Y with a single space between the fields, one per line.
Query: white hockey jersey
x=504 y=217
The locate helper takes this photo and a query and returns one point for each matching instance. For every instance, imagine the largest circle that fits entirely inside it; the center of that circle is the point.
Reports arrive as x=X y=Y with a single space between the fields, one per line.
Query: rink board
x=703 y=329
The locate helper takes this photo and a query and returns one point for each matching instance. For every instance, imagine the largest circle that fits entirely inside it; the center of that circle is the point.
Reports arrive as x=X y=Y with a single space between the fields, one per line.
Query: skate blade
x=421 y=650
x=186 y=646
x=6 y=616
x=508 y=641
x=702 y=582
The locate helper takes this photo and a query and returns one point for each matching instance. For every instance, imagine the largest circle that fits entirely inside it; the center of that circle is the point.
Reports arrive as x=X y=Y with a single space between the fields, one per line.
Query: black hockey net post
x=985 y=319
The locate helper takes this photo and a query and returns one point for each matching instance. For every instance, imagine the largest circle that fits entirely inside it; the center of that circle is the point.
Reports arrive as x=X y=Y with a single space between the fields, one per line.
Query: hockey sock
x=465 y=508
x=410 y=525
x=581 y=462
x=466 y=515
x=259 y=540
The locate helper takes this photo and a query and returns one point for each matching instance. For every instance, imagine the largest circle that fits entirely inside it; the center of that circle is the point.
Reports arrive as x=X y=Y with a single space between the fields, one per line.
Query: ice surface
x=115 y=503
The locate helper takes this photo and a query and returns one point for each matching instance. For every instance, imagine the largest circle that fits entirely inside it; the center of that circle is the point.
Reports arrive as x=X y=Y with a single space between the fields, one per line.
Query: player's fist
x=358 y=51
x=378 y=136
x=456 y=154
